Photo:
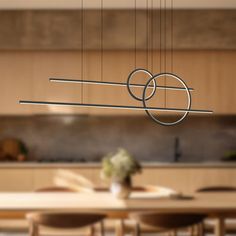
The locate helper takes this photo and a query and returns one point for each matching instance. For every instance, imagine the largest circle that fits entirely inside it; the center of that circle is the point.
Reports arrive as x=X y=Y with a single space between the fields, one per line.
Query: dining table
x=216 y=205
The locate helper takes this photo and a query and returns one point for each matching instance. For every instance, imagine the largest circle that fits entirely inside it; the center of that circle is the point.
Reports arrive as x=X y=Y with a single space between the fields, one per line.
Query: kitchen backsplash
x=89 y=138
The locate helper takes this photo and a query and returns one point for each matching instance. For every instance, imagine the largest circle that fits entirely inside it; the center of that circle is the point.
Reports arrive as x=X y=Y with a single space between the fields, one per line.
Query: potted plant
x=119 y=167
x=229 y=156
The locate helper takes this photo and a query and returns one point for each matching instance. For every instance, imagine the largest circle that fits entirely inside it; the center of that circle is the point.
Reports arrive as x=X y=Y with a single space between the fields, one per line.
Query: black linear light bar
x=59 y=80
x=113 y=106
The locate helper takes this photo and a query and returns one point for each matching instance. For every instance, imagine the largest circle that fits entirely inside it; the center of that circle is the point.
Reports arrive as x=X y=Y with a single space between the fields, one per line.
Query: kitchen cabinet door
x=24 y=75
x=16 y=179
x=210 y=73
x=117 y=65
x=15 y=82
x=58 y=65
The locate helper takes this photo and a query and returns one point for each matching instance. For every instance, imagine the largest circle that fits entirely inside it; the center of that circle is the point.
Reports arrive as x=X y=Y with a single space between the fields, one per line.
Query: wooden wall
x=182 y=179
x=61 y=29
x=24 y=75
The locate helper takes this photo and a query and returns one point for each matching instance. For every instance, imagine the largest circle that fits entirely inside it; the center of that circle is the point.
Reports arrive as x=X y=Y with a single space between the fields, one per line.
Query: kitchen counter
x=39 y=165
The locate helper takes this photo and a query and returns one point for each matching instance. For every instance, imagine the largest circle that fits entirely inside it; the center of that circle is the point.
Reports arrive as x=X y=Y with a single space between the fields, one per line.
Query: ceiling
x=114 y=4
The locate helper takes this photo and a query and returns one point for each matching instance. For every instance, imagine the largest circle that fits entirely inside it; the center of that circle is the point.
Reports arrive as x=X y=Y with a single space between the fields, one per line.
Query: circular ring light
x=156 y=77
x=131 y=75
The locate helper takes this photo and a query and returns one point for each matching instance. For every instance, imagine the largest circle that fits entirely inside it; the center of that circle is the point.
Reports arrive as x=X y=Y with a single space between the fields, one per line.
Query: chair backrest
x=64 y=220
x=134 y=188
x=168 y=221
x=55 y=189
x=148 y=188
x=209 y=189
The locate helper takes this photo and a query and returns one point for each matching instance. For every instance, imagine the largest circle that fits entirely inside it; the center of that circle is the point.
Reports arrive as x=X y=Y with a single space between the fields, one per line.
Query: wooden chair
x=209 y=189
x=211 y=224
x=18 y=223
x=120 y=222
x=147 y=189
x=169 y=222
x=55 y=189
x=68 y=190
x=128 y=225
x=62 y=220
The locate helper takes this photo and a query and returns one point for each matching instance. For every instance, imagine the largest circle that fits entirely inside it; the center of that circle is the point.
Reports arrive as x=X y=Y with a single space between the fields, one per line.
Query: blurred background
x=41 y=39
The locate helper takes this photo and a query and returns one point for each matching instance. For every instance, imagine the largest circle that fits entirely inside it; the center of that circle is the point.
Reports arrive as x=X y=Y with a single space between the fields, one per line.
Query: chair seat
x=209 y=225
x=64 y=220
x=22 y=226
x=130 y=226
x=168 y=221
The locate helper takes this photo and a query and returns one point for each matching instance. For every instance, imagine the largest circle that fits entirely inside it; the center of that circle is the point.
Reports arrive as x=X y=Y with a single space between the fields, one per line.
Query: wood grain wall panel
x=186 y=180
x=16 y=180
x=16 y=81
x=61 y=29
x=210 y=73
x=42 y=178
x=57 y=64
x=66 y=177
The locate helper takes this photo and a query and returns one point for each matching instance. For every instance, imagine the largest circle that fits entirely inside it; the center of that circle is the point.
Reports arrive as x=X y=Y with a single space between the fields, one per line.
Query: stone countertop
x=36 y=165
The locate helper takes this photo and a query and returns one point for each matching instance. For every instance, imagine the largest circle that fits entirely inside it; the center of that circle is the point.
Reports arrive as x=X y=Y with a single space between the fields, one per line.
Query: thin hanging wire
x=160 y=33
x=82 y=49
x=152 y=36
x=165 y=38
x=147 y=38
x=135 y=34
x=165 y=47
x=172 y=37
x=102 y=40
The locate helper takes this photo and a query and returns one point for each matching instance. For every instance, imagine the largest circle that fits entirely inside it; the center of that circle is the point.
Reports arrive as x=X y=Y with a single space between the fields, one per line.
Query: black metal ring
x=128 y=84
x=186 y=89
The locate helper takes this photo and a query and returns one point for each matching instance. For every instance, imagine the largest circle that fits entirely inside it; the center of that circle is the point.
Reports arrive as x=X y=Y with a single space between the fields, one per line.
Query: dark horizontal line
x=113 y=106
x=59 y=80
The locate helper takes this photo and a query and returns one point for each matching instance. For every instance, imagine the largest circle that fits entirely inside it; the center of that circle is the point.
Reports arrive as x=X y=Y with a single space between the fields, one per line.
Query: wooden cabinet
x=187 y=180
x=16 y=180
x=24 y=75
x=210 y=73
x=15 y=82
x=181 y=178
x=58 y=65
x=65 y=176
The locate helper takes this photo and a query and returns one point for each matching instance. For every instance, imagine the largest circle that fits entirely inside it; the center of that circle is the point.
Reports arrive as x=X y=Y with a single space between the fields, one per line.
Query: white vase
x=122 y=189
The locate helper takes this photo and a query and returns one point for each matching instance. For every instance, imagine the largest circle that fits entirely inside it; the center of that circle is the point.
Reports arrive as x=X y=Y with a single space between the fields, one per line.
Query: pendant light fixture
x=153 y=81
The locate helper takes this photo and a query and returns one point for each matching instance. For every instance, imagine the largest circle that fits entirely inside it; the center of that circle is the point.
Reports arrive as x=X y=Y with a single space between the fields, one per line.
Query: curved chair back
x=55 y=189
x=168 y=221
x=209 y=189
x=64 y=220
x=147 y=188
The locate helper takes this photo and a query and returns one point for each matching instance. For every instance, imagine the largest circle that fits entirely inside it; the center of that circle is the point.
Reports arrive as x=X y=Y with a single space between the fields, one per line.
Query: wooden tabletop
x=211 y=203
x=218 y=205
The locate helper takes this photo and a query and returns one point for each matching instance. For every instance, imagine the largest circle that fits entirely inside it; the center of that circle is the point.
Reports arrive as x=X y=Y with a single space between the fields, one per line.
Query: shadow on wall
x=80 y=138
x=73 y=180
